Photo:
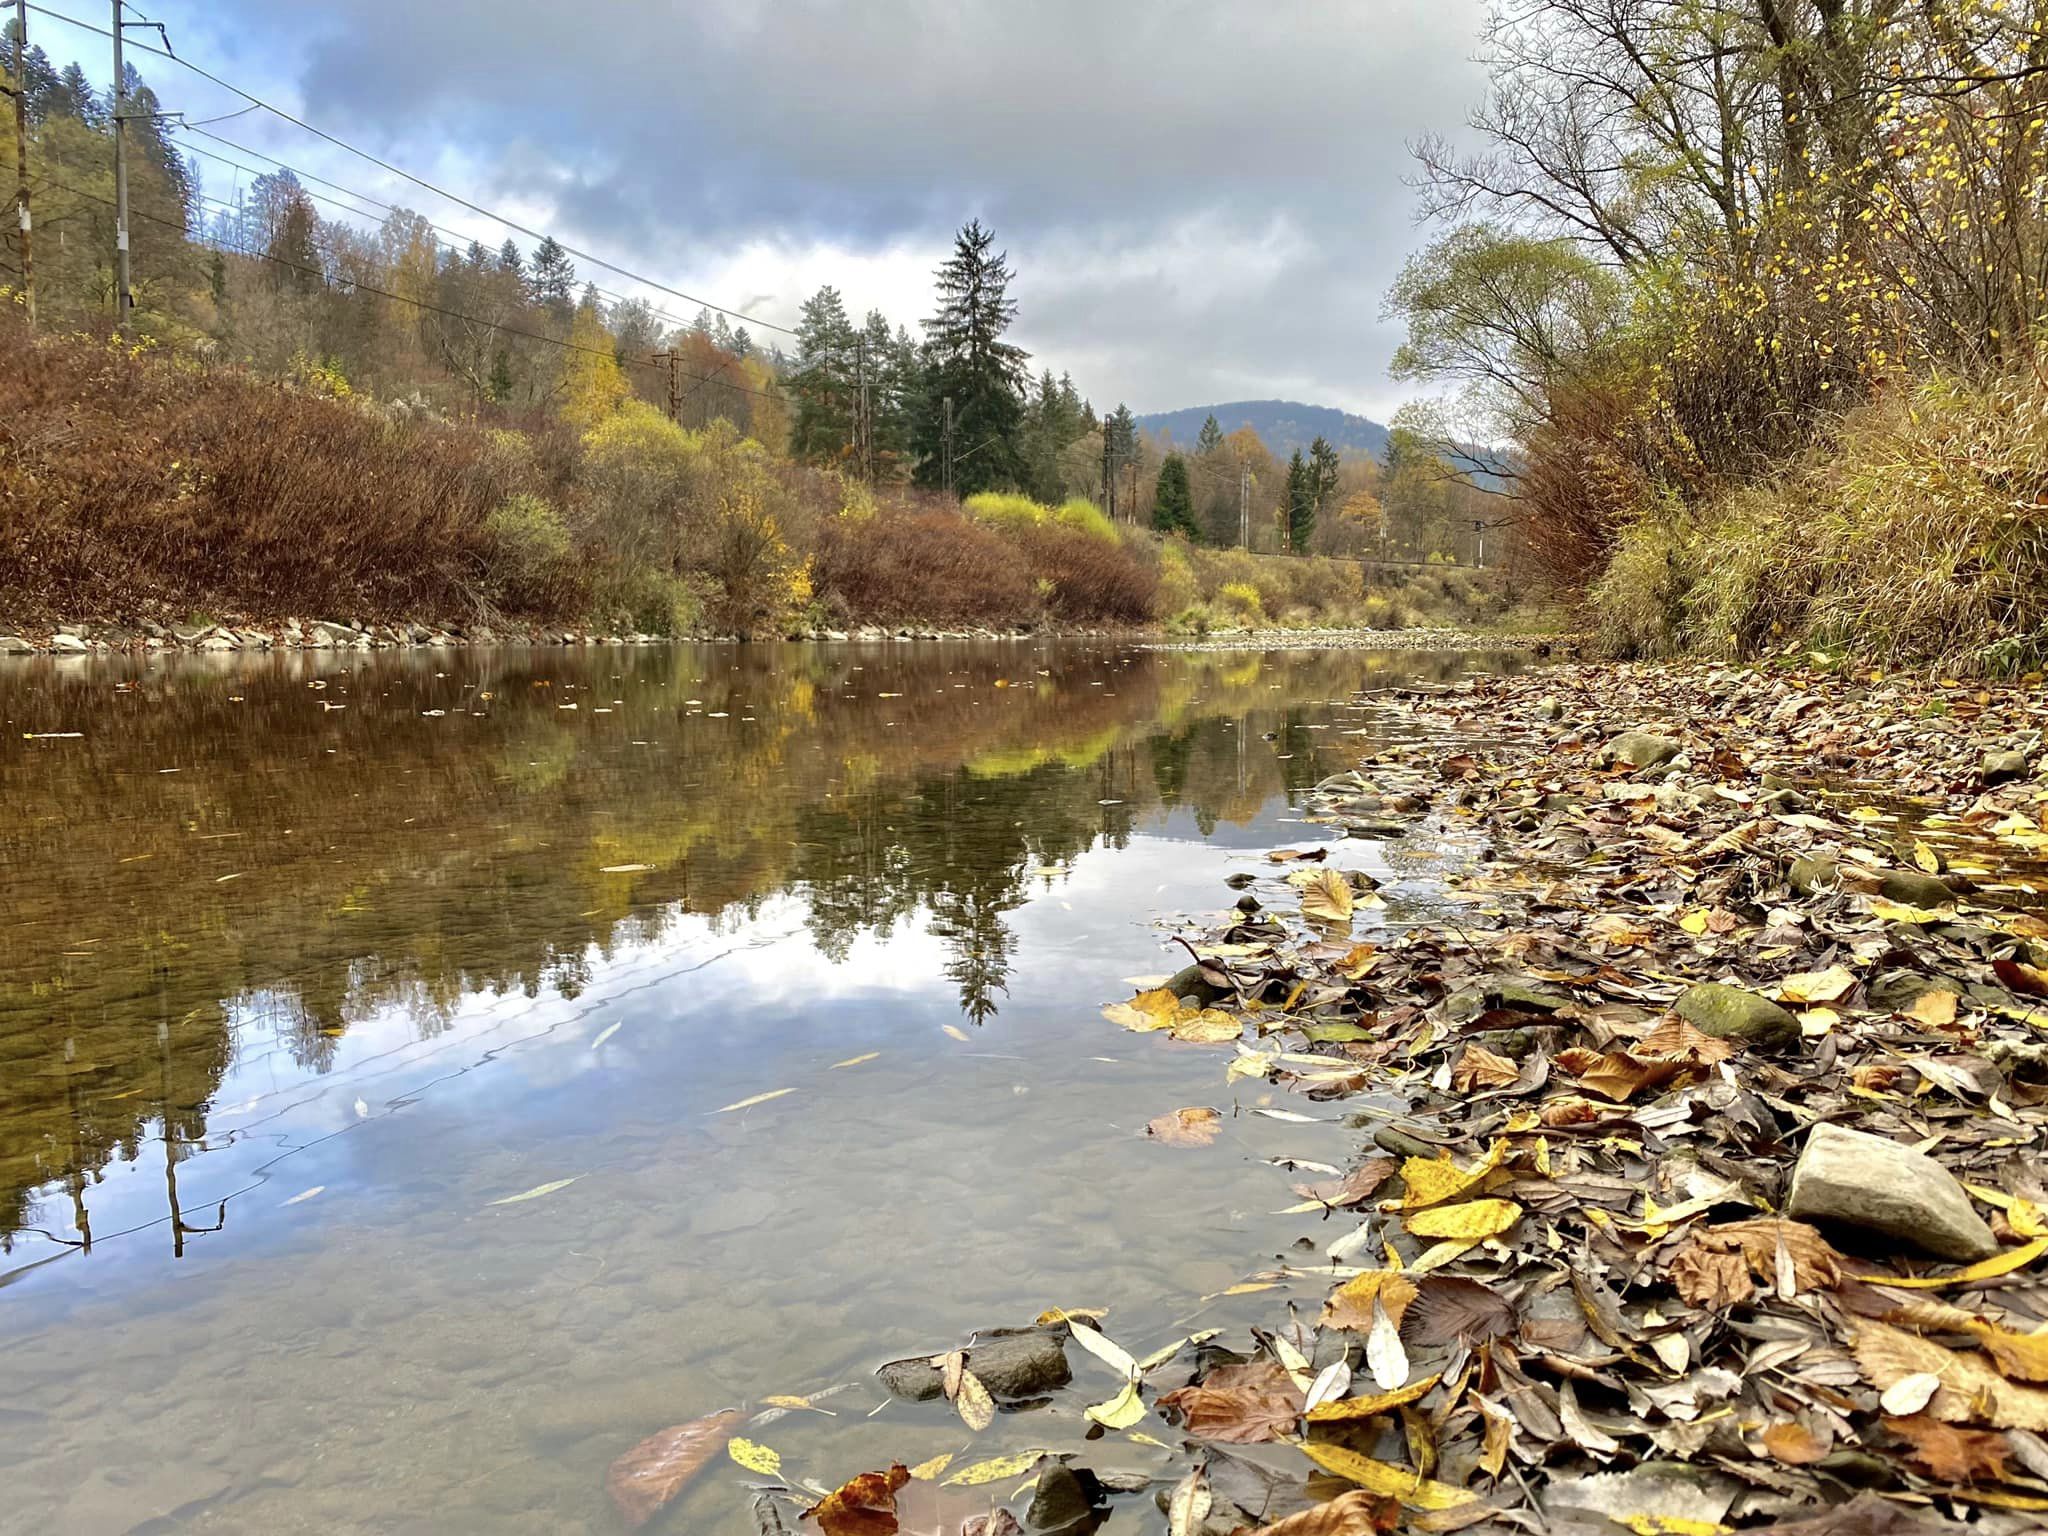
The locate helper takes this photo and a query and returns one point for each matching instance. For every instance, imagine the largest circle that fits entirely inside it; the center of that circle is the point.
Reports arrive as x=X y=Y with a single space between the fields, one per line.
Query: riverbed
x=423 y=1075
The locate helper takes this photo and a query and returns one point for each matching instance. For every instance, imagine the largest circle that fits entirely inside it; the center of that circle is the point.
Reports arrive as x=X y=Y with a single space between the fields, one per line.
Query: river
x=315 y=964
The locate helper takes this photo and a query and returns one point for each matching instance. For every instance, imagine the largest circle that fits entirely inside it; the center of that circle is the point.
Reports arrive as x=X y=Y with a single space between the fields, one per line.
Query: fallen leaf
x=1357 y=1513
x=1716 y=1266
x=1432 y=1180
x=307 y=1194
x=1326 y=896
x=1188 y=1506
x=1350 y=1306
x=1826 y=986
x=1449 y=1309
x=755 y=1457
x=1950 y=1454
x=1206 y=1026
x=957 y=1033
x=1478 y=1068
x=854 y=1061
x=977 y=1409
x=1984 y=1269
x=1105 y=1349
x=653 y=1472
x=1969 y=1391
x=608 y=1031
x=866 y=1506
x=2022 y=1356
x=1239 y=1404
x=537 y=1191
x=1385 y=1479
x=1121 y=1411
x=1384 y=1356
x=925 y=1471
x=1369 y=1407
x=1470 y=1222
x=1355 y=1188
x=994 y=1470
x=1936 y=1009
x=1792 y=1444
x=759 y=1098
x=1192 y=1127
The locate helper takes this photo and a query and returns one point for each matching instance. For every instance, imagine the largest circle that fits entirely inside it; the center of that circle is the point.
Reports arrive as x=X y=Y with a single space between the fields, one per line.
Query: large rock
x=1729 y=1013
x=1910 y=888
x=1851 y=1179
x=64 y=643
x=1815 y=874
x=2004 y=767
x=1011 y=1363
x=1640 y=749
x=15 y=645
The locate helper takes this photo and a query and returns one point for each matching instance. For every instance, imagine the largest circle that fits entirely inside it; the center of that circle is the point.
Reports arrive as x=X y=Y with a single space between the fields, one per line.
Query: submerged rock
x=1910 y=888
x=1857 y=1180
x=1640 y=749
x=1729 y=1013
x=1011 y=1363
x=1814 y=875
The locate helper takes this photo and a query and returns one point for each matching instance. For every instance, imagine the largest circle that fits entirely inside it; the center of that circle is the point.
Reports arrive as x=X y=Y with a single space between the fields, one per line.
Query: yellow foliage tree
x=593 y=386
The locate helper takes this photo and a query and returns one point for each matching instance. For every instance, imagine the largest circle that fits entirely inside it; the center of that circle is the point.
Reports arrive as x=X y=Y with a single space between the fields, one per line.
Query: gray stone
x=1729 y=1013
x=1814 y=875
x=1011 y=1363
x=2004 y=767
x=1785 y=801
x=1857 y=1180
x=15 y=645
x=1550 y=709
x=65 y=644
x=1640 y=750
x=1910 y=888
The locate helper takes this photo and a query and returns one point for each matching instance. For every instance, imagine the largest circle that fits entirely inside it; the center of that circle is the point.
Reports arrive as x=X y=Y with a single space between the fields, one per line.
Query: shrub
x=1089 y=581
x=530 y=565
x=1244 y=599
x=1639 y=600
x=1083 y=516
x=902 y=566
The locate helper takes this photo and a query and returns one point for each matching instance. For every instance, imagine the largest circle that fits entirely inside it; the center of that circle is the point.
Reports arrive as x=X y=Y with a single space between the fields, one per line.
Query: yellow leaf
x=2020 y=1355
x=1694 y=922
x=925 y=1471
x=1673 y=1525
x=1326 y=896
x=1350 y=1305
x=854 y=1061
x=537 y=1191
x=1817 y=986
x=993 y=1471
x=1987 y=1269
x=1154 y=1009
x=1432 y=1180
x=958 y=1033
x=1121 y=1411
x=1386 y=1479
x=977 y=1408
x=759 y=1098
x=754 y=1456
x=1208 y=1026
x=784 y=1400
x=1470 y=1222
x=1366 y=1407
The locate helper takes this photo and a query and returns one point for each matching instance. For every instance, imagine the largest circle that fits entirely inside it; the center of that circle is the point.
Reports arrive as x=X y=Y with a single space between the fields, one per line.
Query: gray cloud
x=1203 y=197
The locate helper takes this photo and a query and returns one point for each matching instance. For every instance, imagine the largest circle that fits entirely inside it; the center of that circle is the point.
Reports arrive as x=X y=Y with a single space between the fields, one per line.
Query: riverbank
x=1702 y=1185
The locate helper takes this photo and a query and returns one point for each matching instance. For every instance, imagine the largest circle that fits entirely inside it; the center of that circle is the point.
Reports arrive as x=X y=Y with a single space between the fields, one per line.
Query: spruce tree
x=1211 y=439
x=554 y=277
x=968 y=362
x=1322 y=467
x=1300 y=504
x=823 y=383
x=1173 y=503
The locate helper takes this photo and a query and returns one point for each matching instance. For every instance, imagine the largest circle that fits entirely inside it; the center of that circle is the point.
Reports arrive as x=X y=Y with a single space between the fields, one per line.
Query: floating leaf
x=1188 y=1506
x=957 y=1033
x=994 y=1471
x=977 y=1409
x=1351 y=1305
x=1326 y=896
x=608 y=1031
x=1369 y=1407
x=1239 y=1404
x=1192 y=1127
x=759 y=1098
x=1121 y=1411
x=1386 y=1479
x=538 y=1190
x=1105 y=1349
x=865 y=1506
x=1357 y=1513
x=754 y=1456
x=653 y=1472
x=307 y=1194
x=854 y=1061
x=925 y=1471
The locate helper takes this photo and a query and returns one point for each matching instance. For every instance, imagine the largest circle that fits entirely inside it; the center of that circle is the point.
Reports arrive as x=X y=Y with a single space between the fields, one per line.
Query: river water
x=313 y=963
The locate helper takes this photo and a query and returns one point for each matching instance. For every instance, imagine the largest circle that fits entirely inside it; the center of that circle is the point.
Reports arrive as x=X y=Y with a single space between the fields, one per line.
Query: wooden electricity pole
x=28 y=265
x=124 y=294
x=948 y=403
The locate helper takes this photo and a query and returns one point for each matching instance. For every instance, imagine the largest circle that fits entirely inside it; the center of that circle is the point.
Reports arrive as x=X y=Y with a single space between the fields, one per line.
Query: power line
x=453 y=197
x=400 y=298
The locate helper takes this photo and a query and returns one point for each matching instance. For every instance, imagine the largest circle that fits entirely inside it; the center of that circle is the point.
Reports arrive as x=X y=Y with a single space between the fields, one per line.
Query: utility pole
x=1244 y=505
x=948 y=459
x=124 y=294
x=1479 y=527
x=675 y=386
x=1108 y=472
x=863 y=420
x=28 y=266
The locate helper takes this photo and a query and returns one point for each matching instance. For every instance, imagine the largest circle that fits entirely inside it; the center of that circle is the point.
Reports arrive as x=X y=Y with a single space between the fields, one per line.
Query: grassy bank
x=1917 y=530
x=138 y=486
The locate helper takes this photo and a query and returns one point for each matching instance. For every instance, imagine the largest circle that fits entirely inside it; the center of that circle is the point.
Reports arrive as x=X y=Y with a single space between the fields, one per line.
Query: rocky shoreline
x=1418 y=639
x=1701 y=1186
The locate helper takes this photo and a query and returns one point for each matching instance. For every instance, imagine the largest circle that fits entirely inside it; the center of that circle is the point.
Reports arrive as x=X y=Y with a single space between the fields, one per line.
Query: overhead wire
x=420 y=181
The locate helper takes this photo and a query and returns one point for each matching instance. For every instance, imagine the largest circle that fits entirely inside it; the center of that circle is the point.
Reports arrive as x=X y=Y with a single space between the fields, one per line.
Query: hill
x=1283 y=425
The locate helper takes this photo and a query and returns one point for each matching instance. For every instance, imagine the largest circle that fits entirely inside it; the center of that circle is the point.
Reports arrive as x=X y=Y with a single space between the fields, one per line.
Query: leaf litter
x=1601 y=1282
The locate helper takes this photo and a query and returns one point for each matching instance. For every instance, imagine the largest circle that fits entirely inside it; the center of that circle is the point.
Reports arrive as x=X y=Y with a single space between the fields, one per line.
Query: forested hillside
x=519 y=427
x=1282 y=425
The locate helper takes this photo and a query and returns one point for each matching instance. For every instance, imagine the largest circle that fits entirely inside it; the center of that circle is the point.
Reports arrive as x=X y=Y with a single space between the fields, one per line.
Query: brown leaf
x=1477 y=1067
x=643 y=1480
x=866 y=1506
x=1356 y=1513
x=1355 y=1188
x=1195 y=1126
x=1792 y=1443
x=1447 y=1308
x=2022 y=977
x=1950 y=1454
x=1971 y=1391
x=1704 y=1276
x=2022 y=1356
x=1239 y=1404
x=1350 y=1305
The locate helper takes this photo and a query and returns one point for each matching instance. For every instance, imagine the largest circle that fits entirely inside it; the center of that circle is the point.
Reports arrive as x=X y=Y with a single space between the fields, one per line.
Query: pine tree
x=1173 y=505
x=1211 y=438
x=823 y=382
x=554 y=276
x=742 y=343
x=510 y=262
x=1323 y=465
x=1299 y=504
x=968 y=362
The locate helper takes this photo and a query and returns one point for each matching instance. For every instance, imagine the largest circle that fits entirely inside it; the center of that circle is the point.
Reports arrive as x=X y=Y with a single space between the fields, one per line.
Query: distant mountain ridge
x=1282 y=425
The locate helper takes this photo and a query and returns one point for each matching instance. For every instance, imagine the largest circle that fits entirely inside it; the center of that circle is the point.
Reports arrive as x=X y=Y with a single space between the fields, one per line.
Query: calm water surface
x=311 y=962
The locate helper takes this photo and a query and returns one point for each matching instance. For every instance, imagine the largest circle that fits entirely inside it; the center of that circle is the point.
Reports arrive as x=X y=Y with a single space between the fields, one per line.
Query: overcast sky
x=1203 y=199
